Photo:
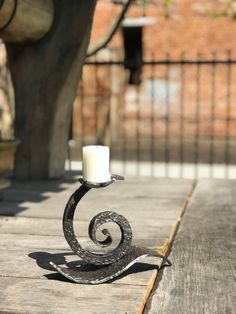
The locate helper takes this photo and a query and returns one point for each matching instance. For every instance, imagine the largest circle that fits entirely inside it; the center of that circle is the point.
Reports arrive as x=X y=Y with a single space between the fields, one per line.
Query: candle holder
x=99 y=268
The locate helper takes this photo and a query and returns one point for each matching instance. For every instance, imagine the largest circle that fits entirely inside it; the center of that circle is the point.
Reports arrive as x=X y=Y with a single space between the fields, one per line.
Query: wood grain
x=31 y=237
x=23 y=295
x=202 y=278
x=132 y=198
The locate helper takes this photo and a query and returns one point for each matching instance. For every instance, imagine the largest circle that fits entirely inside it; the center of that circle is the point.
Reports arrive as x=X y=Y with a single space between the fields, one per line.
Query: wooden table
x=195 y=221
x=202 y=278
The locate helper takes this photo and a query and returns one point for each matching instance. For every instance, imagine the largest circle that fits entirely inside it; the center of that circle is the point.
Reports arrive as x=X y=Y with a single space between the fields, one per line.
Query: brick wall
x=193 y=27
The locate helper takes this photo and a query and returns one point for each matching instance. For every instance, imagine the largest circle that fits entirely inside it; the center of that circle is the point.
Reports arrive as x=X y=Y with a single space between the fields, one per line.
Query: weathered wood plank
x=32 y=235
x=26 y=263
x=202 y=278
x=141 y=210
x=161 y=187
x=131 y=198
x=59 y=242
x=20 y=295
x=30 y=229
x=43 y=226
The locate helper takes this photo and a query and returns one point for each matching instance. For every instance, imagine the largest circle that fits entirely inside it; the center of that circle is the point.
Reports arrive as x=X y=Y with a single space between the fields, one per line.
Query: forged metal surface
x=100 y=268
x=90 y=274
x=98 y=220
x=114 y=177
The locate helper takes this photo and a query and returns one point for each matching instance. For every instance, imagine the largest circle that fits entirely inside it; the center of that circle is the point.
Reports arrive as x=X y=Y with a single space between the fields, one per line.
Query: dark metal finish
x=212 y=117
x=182 y=117
x=89 y=184
x=98 y=268
x=167 y=118
x=138 y=144
x=197 y=118
x=165 y=62
x=92 y=274
x=228 y=115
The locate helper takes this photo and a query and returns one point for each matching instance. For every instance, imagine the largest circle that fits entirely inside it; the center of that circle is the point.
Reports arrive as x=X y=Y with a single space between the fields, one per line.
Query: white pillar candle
x=96 y=163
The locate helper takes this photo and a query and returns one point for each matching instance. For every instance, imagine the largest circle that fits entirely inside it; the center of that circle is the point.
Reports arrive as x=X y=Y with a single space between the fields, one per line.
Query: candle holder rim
x=113 y=178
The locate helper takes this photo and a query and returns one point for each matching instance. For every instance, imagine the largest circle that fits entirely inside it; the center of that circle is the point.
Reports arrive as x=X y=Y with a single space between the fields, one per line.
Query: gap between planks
x=165 y=250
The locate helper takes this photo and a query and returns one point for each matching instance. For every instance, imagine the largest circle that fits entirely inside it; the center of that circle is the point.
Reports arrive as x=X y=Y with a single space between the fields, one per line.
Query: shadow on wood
x=43 y=260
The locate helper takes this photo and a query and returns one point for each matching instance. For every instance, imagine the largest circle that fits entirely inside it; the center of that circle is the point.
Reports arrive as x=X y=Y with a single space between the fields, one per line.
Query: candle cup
x=113 y=178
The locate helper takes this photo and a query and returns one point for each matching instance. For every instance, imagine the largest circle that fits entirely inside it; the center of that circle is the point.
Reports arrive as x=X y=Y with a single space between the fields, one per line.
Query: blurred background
x=161 y=94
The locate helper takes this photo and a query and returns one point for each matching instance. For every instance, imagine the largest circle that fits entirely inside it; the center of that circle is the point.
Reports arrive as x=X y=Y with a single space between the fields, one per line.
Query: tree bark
x=25 y=20
x=45 y=76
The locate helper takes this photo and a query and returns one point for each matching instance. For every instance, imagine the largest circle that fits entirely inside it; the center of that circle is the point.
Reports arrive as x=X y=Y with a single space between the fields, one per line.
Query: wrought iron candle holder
x=99 y=268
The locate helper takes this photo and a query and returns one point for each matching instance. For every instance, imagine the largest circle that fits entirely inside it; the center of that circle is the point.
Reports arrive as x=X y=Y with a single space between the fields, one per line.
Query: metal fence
x=179 y=121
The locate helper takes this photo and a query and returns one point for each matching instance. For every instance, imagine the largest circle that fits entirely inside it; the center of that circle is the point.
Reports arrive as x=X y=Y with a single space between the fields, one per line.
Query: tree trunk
x=25 y=20
x=45 y=76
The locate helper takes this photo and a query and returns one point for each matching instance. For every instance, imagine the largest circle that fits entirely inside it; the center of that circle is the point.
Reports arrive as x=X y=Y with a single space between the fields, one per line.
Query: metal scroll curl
x=99 y=268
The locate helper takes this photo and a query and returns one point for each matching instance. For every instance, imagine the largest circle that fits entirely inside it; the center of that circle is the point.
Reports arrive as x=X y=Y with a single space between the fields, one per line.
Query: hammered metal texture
x=91 y=274
x=98 y=220
x=99 y=268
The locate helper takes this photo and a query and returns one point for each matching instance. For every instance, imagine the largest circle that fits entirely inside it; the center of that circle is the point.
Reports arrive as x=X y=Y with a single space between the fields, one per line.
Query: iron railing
x=180 y=121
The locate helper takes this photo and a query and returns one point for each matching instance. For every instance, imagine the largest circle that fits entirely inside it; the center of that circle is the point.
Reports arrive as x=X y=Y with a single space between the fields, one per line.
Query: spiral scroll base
x=100 y=268
x=93 y=274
